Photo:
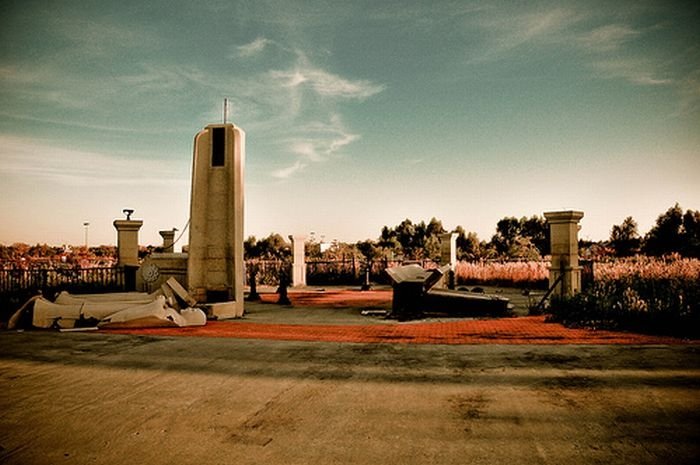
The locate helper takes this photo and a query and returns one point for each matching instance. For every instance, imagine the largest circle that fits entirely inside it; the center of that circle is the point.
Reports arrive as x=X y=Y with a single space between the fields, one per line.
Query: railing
x=17 y=285
x=350 y=270
x=74 y=279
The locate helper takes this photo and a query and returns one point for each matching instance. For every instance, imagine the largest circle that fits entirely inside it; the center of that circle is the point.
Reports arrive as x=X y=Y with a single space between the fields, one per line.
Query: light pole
x=87 y=225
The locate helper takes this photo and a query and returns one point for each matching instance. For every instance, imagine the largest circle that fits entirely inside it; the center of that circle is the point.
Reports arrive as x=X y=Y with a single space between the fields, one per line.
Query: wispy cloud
x=636 y=71
x=317 y=142
x=48 y=163
x=285 y=173
x=573 y=28
x=254 y=47
x=503 y=32
x=325 y=83
x=608 y=38
x=93 y=36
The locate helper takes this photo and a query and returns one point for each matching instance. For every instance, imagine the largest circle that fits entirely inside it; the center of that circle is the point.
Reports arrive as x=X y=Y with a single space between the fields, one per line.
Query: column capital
x=128 y=225
x=565 y=216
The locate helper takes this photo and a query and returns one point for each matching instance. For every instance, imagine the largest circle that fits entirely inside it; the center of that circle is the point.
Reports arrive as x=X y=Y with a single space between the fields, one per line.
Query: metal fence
x=73 y=279
x=348 y=271
x=17 y=284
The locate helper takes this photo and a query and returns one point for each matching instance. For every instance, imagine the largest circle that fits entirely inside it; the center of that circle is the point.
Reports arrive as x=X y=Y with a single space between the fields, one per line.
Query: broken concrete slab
x=153 y=314
x=180 y=292
x=74 y=312
x=224 y=310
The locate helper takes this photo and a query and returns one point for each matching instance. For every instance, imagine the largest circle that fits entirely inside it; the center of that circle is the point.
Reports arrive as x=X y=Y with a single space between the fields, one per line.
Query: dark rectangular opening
x=218 y=146
x=217 y=296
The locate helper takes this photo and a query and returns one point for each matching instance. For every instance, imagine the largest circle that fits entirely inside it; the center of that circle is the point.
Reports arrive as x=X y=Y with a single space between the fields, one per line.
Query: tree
x=624 y=238
x=369 y=250
x=507 y=231
x=468 y=245
x=434 y=228
x=691 y=234
x=537 y=230
x=272 y=247
x=521 y=238
x=665 y=236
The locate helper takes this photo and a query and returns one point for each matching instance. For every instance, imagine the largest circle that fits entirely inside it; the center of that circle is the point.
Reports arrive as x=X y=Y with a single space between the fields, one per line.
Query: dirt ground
x=153 y=398
x=94 y=398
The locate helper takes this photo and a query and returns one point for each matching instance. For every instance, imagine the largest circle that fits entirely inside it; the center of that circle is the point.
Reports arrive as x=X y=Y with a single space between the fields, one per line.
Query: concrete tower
x=215 y=266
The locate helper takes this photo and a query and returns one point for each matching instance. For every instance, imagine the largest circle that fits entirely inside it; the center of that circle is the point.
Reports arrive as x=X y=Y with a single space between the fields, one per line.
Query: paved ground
x=85 y=398
x=335 y=315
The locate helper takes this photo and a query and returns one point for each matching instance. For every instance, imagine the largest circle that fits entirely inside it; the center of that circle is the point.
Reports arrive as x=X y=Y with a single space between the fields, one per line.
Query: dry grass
x=671 y=267
x=525 y=273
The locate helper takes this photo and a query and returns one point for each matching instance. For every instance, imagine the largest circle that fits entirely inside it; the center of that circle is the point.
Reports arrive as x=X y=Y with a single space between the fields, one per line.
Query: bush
x=668 y=305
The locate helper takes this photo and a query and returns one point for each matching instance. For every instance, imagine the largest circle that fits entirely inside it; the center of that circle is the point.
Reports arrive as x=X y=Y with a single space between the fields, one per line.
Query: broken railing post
x=283 y=286
x=253 y=295
x=366 y=286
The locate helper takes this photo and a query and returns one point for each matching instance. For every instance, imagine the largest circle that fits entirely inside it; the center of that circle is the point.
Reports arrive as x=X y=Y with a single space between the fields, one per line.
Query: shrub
x=641 y=294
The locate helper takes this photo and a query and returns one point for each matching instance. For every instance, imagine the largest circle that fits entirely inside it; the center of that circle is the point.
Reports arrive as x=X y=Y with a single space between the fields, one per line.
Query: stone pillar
x=563 y=228
x=448 y=249
x=215 y=266
x=298 y=261
x=168 y=240
x=128 y=241
x=448 y=256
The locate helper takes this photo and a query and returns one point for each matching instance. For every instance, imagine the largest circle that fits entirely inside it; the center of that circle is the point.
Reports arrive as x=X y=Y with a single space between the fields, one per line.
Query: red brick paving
x=520 y=330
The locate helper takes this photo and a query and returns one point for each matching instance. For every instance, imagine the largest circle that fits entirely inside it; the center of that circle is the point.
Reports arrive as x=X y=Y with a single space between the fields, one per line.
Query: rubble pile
x=169 y=306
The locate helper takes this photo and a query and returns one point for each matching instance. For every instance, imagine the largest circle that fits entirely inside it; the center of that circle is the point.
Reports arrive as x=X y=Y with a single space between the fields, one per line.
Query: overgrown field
x=659 y=296
x=531 y=274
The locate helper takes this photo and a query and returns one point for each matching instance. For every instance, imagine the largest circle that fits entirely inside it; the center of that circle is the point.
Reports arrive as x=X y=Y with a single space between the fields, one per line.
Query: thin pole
x=225 y=110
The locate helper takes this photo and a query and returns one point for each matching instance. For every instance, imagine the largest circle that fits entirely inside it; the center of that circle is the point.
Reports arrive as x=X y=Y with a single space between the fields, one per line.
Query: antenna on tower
x=225 y=110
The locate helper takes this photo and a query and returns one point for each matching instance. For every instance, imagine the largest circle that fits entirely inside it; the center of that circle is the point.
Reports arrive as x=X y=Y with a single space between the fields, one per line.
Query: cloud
x=325 y=83
x=318 y=142
x=44 y=162
x=504 y=31
x=607 y=38
x=640 y=72
x=285 y=173
x=254 y=47
x=90 y=36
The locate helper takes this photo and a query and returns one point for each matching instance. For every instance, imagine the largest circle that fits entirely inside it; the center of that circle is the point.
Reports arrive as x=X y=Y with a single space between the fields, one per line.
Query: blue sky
x=357 y=114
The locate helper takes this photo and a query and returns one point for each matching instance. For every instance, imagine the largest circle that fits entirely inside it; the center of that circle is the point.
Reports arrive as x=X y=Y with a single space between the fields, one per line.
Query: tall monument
x=215 y=267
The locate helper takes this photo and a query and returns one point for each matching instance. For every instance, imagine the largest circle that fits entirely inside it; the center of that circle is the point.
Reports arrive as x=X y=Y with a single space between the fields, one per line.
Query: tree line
x=524 y=238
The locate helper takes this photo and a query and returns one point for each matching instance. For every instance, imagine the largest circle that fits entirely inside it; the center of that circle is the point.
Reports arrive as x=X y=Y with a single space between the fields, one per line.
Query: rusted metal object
x=415 y=296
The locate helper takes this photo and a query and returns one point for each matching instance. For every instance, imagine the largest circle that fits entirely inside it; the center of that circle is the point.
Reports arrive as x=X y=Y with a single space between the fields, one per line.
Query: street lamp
x=87 y=225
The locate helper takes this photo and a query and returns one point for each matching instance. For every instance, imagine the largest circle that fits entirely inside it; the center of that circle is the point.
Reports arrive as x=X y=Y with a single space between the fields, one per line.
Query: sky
x=357 y=114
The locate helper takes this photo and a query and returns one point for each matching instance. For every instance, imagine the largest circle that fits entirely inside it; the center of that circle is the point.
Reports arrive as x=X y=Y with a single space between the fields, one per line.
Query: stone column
x=563 y=228
x=168 y=240
x=448 y=256
x=298 y=260
x=128 y=241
